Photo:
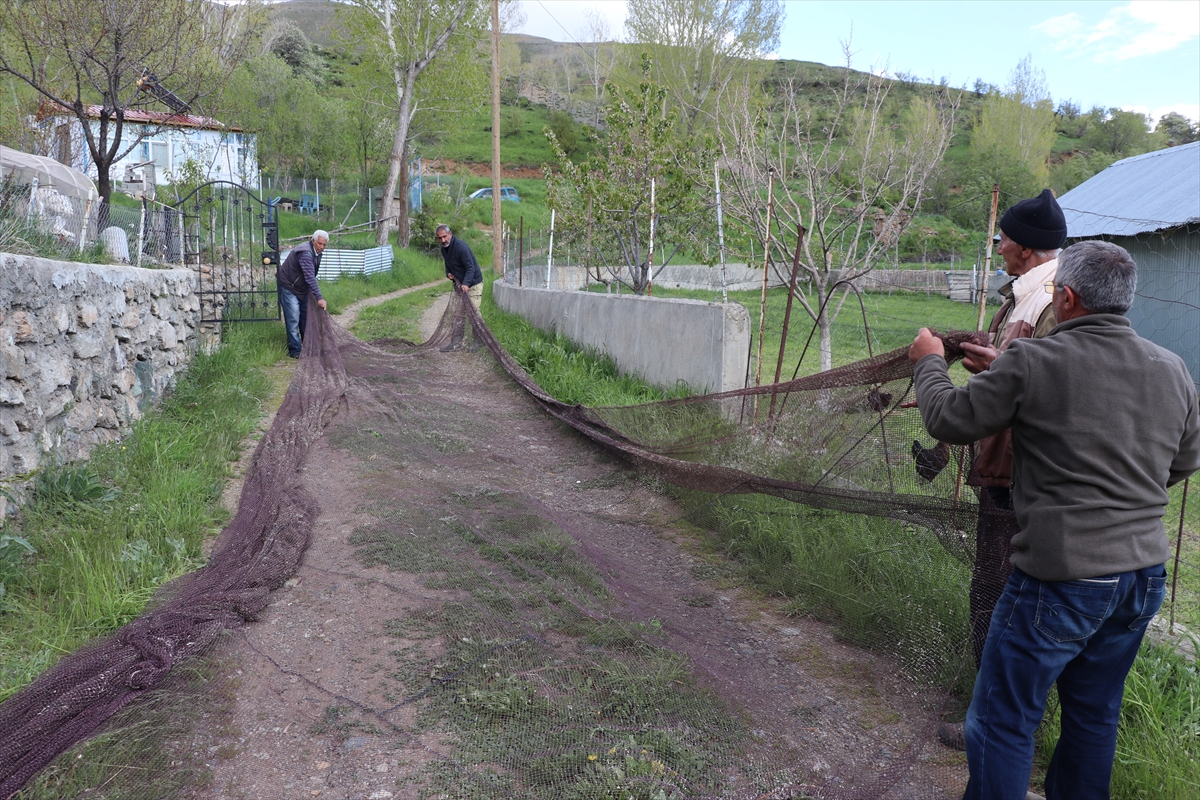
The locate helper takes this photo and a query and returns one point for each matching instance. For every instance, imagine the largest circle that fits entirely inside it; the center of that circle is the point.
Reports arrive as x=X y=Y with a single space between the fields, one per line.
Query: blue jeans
x=1084 y=634
x=295 y=310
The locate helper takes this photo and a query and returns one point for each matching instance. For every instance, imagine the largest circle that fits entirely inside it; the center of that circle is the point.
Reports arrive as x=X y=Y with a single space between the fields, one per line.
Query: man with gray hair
x=1102 y=422
x=296 y=277
x=463 y=269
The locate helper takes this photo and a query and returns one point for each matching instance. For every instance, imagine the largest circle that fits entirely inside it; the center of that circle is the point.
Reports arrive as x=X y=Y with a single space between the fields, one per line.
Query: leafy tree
x=607 y=198
x=79 y=53
x=400 y=42
x=1118 y=133
x=1176 y=129
x=1015 y=133
x=850 y=181
x=1069 y=121
x=698 y=46
x=287 y=41
x=566 y=132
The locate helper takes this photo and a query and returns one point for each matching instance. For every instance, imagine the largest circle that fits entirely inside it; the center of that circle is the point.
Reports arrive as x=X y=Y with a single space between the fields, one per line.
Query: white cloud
x=1189 y=110
x=1139 y=28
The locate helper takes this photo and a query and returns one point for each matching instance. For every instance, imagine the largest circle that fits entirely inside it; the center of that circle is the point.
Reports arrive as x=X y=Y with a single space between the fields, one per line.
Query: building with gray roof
x=1150 y=205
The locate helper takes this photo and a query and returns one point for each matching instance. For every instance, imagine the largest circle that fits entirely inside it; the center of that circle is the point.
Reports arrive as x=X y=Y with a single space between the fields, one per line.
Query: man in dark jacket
x=462 y=268
x=296 y=277
x=1102 y=422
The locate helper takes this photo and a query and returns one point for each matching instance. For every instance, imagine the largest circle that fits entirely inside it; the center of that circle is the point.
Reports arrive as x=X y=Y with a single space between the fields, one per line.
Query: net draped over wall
x=838 y=440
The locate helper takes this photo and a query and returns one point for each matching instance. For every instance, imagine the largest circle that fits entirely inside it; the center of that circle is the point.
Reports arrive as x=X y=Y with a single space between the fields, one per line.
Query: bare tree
x=122 y=56
x=600 y=57
x=402 y=38
x=843 y=175
x=697 y=46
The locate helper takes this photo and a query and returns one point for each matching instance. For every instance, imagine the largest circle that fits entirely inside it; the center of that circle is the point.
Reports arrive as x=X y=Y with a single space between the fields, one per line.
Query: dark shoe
x=293 y=355
x=953 y=735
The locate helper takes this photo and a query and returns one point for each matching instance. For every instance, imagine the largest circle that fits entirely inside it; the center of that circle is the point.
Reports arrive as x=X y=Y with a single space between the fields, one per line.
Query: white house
x=221 y=152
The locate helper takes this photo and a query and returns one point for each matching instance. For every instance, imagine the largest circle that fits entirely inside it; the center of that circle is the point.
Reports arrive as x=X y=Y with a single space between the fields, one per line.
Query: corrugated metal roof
x=1150 y=192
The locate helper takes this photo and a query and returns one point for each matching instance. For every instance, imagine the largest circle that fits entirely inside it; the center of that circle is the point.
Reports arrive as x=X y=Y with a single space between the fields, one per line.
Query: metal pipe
x=650 y=253
x=721 y=235
x=550 y=250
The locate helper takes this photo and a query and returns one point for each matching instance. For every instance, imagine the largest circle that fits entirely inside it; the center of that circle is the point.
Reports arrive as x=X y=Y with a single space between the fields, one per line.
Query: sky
x=1141 y=56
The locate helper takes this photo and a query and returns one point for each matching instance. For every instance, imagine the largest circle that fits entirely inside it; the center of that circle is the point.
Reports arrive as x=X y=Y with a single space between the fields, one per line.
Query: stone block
x=11 y=394
x=22 y=327
x=87 y=345
x=89 y=315
x=12 y=360
x=167 y=338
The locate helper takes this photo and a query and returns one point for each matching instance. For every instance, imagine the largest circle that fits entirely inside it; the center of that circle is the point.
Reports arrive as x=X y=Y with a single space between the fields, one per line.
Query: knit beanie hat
x=1037 y=223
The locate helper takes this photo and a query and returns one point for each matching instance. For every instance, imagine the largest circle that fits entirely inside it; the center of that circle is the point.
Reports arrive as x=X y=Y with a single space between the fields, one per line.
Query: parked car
x=506 y=193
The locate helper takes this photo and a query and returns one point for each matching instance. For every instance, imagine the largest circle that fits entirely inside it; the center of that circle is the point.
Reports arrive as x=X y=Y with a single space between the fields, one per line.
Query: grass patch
x=411 y=268
x=397 y=319
x=104 y=537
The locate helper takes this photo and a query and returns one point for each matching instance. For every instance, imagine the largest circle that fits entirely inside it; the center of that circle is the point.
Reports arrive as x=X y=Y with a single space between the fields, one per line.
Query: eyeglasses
x=1051 y=286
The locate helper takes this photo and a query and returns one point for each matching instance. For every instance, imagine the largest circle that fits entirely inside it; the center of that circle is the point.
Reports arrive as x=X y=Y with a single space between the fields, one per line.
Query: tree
x=122 y=55
x=286 y=40
x=596 y=40
x=400 y=40
x=697 y=46
x=1176 y=129
x=1015 y=133
x=1118 y=133
x=842 y=175
x=606 y=199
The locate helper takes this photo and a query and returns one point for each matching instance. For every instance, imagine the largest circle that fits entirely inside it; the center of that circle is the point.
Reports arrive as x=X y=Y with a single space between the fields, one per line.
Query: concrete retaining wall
x=739 y=277
x=84 y=351
x=704 y=345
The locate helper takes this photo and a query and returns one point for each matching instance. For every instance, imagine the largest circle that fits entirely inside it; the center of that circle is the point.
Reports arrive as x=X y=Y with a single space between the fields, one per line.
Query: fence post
x=141 y=237
x=87 y=212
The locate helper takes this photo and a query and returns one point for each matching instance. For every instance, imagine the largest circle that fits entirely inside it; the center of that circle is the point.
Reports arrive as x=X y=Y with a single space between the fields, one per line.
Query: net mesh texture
x=459 y=593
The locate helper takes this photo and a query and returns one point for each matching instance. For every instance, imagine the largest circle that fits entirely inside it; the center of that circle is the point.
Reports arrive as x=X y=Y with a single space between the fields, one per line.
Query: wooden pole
x=762 y=313
x=987 y=262
x=496 y=218
x=521 y=252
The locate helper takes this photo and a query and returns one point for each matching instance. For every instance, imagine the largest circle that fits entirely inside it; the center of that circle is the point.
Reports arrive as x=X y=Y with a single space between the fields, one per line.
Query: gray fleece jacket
x=1103 y=422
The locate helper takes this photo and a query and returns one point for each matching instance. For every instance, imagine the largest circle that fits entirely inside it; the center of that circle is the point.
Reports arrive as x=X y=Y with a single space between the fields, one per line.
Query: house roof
x=25 y=166
x=139 y=117
x=1145 y=193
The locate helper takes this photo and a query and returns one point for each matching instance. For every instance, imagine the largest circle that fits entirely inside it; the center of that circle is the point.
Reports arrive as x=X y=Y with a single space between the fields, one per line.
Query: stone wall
x=84 y=351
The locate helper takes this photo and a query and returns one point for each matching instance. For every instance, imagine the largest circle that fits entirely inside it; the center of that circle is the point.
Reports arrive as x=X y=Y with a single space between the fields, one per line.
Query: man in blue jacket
x=463 y=269
x=296 y=277
x=1103 y=422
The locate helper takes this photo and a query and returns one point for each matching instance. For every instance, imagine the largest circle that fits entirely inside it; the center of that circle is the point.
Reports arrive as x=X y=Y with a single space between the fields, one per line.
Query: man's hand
x=925 y=344
x=449 y=277
x=978 y=358
x=465 y=288
x=321 y=304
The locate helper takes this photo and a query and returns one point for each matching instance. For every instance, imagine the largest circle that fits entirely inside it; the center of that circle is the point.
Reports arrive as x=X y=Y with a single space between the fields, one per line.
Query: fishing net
x=460 y=593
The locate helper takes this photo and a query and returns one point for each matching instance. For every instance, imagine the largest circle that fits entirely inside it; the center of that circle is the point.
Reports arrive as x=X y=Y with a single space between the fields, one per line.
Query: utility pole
x=497 y=259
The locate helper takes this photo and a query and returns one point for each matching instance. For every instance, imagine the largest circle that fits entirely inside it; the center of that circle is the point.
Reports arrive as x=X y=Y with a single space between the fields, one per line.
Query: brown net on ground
x=504 y=615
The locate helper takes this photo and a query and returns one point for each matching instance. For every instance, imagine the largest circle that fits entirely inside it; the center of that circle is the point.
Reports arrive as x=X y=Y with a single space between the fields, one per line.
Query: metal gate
x=231 y=238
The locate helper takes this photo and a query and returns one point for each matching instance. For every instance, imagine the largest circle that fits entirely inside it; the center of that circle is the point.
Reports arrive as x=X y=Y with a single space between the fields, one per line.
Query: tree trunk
x=396 y=164
x=825 y=326
x=403 y=229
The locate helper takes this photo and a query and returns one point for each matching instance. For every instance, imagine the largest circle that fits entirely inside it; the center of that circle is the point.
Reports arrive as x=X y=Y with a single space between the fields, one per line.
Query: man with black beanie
x=1031 y=233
